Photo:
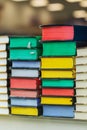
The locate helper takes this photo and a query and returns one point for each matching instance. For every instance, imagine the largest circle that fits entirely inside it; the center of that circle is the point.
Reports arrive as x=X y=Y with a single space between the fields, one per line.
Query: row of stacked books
x=4 y=110
x=81 y=83
x=24 y=82
x=58 y=72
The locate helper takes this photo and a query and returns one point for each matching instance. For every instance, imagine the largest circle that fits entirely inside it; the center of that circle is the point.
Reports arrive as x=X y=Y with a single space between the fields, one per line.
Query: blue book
x=58 y=111
x=25 y=64
x=24 y=102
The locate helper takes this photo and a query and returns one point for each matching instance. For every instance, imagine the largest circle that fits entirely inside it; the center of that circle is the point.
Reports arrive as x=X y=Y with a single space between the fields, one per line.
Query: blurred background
x=23 y=17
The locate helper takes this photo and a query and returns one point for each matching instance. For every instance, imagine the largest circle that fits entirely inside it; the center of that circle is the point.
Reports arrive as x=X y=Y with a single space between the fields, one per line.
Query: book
x=3 y=75
x=25 y=42
x=25 y=83
x=81 y=91
x=33 y=102
x=61 y=63
x=81 y=115
x=25 y=73
x=4 y=111
x=81 y=76
x=25 y=93
x=29 y=111
x=81 y=84
x=57 y=100
x=25 y=64
x=3 y=104
x=4 y=39
x=4 y=96
x=81 y=99
x=64 y=32
x=3 y=83
x=57 y=92
x=2 y=47
x=25 y=54
x=81 y=68
x=81 y=60
x=3 y=54
x=59 y=49
x=3 y=68
x=57 y=83
x=68 y=74
x=58 y=111
x=81 y=107
x=3 y=90
x=3 y=62
x=81 y=52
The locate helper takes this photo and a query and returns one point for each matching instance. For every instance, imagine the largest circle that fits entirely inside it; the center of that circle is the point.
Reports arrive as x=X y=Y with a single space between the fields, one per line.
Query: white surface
x=29 y=123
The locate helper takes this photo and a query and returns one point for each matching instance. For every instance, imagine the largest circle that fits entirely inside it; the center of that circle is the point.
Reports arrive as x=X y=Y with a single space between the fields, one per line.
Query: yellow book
x=24 y=111
x=58 y=74
x=59 y=62
x=56 y=100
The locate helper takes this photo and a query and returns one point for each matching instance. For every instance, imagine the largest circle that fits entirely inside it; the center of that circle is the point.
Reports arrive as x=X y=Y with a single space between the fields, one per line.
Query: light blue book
x=24 y=102
x=25 y=64
x=58 y=111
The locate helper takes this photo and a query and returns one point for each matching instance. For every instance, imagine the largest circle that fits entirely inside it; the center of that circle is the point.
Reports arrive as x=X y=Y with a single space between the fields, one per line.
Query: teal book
x=58 y=83
x=25 y=54
x=25 y=42
x=59 y=49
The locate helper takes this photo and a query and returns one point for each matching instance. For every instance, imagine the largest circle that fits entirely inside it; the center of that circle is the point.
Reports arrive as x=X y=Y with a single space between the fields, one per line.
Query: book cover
x=25 y=64
x=25 y=73
x=57 y=100
x=58 y=32
x=58 y=74
x=59 y=49
x=57 y=63
x=57 y=92
x=58 y=111
x=25 y=83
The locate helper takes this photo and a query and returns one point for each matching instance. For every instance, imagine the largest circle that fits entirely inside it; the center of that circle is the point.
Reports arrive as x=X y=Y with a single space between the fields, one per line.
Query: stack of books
x=81 y=83
x=25 y=84
x=58 y=71
x=4 y=110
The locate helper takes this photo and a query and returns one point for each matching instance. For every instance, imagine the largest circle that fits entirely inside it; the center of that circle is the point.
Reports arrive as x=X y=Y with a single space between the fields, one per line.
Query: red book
x=25 y=93
x=25 y=83
x=64 y=33
x=57 y=92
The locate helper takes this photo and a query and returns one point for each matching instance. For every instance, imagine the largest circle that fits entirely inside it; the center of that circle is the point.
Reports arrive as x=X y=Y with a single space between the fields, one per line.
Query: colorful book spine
x=4 y=108
x=25 y=83
x=58 y=73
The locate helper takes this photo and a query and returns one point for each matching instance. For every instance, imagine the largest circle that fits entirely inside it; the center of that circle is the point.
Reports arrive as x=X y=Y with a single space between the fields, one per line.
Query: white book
x=81 y=60
x=3 y=68
x=3 y=75
x=3 y=82
x=81 y=91
x=81 y=84
x=3 y=96
x=24 y=73
x=2 y=47
x=81 y=107
x=3 y=90
x=4 y=111
x=3 y=62
x=3 y=104
x=3 y=54
x=4 y=39
x=81 y=115
x=82 y=52
x=81 y=100
x=81 y=76
x=81 y=68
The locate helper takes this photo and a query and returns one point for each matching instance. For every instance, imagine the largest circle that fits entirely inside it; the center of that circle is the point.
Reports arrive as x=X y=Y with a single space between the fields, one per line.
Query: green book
x=57 y=83
x=25 y=42
x=59 y=49
x=25 y=54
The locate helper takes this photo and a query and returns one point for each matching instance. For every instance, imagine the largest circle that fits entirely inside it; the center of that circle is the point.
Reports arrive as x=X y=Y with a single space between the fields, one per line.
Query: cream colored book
x=3 y=82
x=81 y=68
x=81 y=91
x=3 y=62
x=81 y=115
x=3 y=54
x=3 y=76
x=81 y=76
x=81 y=60
x=81 y=99
x=82 y=51
x=4 y=39
x=81 y=107
x=3 y=104
x=3 y=69
x=4 y=111
x=81 y=84
x=3 y=90
x=3 y=96
x=2 y=47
